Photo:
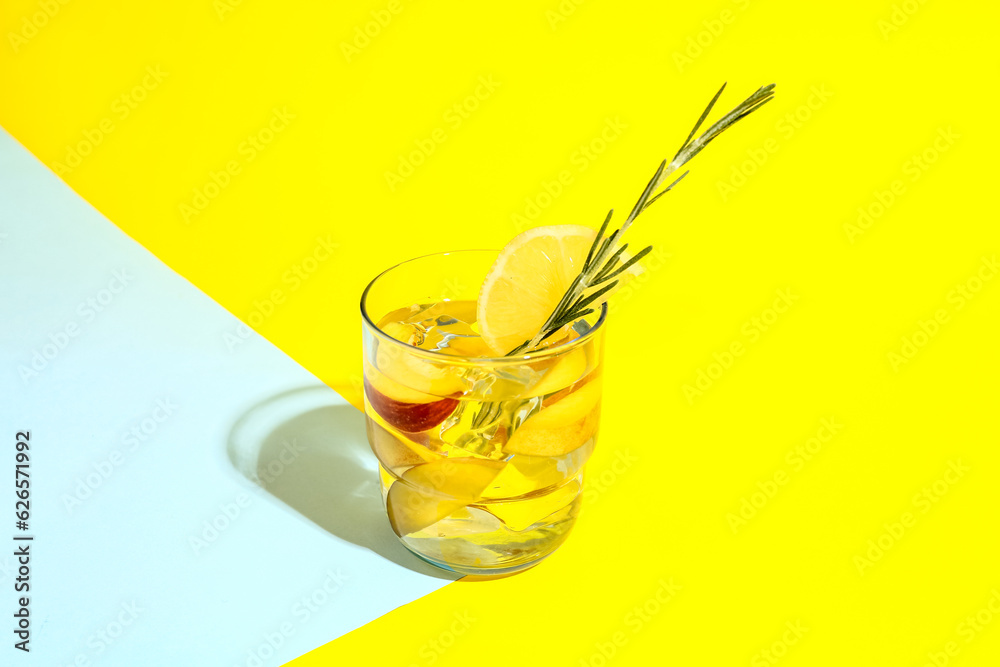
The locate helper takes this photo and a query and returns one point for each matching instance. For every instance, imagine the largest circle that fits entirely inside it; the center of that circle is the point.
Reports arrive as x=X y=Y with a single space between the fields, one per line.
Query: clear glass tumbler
x=480 y=458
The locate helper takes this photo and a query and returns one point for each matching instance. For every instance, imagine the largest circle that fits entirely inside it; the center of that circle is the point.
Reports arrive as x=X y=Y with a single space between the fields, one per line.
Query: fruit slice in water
x=396 y=452
x=402 y=407
x=561 y=427
x=431 y=491
x=390 y=388
x=527 y=474
x=521 y=514
x=565 y=372
x=527 y=280
x=404 y=368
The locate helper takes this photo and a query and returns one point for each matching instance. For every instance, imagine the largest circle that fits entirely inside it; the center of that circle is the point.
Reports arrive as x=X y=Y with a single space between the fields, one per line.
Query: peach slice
x=418 y=374
x=561 y=427
x=521 y=514
x=526 y=474
x=565 y=372
x=431 y=491
x=390 y=388
x=395 y=452
x=592 y=376
x=412 y=416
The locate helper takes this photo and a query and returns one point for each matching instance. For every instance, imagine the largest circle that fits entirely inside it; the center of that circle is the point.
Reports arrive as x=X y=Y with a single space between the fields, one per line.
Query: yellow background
x=564 y=71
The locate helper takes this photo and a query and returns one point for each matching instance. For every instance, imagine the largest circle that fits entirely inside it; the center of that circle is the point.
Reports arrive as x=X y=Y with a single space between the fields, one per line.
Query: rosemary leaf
x=598 y=294
x=650 y=188
x=704 y=115
x=610 y=264
x=632 y=260
x=667 y=189
x=597 y=239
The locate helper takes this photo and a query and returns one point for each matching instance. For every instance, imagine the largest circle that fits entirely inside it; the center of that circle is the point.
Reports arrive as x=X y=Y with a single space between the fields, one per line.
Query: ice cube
x=410 y=334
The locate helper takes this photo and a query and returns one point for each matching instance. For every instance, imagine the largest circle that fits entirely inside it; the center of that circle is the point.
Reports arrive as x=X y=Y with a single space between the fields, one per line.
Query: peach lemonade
x=482 y=382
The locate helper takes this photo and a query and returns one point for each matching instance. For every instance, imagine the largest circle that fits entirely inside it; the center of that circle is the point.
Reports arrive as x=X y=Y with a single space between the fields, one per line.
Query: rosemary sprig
x=603 y=263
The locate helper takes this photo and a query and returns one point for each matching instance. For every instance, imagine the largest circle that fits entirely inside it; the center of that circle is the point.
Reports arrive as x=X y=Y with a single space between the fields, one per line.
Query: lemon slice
x=527 y=280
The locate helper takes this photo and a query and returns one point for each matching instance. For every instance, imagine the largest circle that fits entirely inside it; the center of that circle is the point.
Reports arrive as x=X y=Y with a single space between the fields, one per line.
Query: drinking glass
x=480 y=457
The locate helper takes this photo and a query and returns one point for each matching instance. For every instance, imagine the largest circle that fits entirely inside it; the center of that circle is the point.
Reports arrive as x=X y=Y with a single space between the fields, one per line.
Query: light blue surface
x=128 y=550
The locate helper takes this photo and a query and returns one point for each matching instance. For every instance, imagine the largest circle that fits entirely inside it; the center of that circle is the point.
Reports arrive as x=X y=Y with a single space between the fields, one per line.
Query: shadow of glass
x=308 y=448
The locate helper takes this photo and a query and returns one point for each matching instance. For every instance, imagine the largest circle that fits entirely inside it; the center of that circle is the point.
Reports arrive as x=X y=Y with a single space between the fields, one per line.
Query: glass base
x=478 y=573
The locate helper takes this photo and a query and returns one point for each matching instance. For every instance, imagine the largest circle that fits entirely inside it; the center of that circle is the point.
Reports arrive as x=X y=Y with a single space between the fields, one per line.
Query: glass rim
x=452 y=359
